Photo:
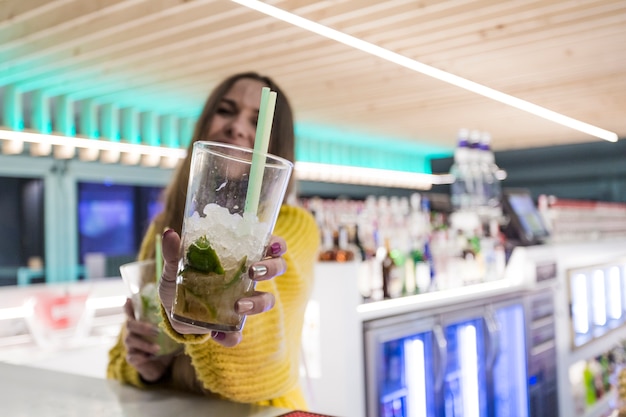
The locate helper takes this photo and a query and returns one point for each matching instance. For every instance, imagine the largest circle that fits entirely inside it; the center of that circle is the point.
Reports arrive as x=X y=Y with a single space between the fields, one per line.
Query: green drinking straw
x=158 y=257
x=261 y=144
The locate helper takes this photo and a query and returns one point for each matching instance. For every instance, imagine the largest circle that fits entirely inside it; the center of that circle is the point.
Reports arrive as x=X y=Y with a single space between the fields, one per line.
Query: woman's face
x=237 y=113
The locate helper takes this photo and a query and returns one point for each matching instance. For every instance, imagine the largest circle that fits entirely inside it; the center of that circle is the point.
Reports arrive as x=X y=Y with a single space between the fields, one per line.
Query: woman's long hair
x=282 y=143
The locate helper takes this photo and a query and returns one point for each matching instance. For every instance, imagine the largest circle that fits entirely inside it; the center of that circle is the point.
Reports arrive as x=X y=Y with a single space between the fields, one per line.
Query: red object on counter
x=60 y=311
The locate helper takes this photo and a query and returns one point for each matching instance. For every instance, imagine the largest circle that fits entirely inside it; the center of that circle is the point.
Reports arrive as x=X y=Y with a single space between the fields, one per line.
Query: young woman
x=261 y=364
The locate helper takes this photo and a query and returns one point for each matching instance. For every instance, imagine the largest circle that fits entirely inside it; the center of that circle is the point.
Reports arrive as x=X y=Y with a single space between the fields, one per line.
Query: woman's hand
x=259 y=302
x=140 y=352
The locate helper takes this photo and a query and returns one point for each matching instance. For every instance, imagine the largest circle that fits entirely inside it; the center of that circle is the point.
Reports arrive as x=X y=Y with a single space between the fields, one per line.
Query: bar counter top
x=27 y=391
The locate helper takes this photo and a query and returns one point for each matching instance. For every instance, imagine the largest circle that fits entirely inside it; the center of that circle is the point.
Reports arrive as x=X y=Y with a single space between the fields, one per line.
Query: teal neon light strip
x=110 y=122
x=88 y=119
x=64 y=117
x=185 y=131
x=169 y=137
x=53 y=77
x=149 y=133
x=130 y=131
x=40 y=112
x=12 y=110
x=315 y=143
x=333 y=146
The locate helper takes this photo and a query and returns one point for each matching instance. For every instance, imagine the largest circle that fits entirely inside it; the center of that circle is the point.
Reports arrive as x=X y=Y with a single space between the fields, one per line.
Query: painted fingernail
x=218 y=335
x=243 y=306
x=167 y=232
x=275 y=248
x=257 y=271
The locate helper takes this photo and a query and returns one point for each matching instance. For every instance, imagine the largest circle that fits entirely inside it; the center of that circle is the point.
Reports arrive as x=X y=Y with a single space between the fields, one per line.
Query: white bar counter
x=28 y=391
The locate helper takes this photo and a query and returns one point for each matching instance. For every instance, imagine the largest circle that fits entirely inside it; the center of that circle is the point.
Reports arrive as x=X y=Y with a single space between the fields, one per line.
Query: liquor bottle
x=491 y=184
x=388 y=267
x=461 y=188
x=421 y=270
x=392 y=269
x=359 y=245
x=343 y=252
x=476 y=190
x=327 y=252
x=428 y=258
x=492 y=246
x=590 y=388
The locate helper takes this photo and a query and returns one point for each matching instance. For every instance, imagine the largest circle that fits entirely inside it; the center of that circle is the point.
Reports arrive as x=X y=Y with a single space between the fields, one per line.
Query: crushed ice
x=231 y=235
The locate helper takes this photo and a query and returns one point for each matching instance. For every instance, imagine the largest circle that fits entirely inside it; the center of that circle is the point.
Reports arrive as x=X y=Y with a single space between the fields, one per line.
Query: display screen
x=525 y=217
x=112 y=218
x=106 y=219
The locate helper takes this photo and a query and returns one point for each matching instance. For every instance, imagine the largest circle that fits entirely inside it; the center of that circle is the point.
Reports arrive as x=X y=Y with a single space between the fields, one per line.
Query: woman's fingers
x=225 y=339
x=167 y=286
x=171 y=247
x=142 y=329
x=139 y=336
x=136 y=345
x=151 y=369
x=129 y=309
x=276 y=247
x=257 y=303
x=141 y=351
x=267 y=269
x=273 y=265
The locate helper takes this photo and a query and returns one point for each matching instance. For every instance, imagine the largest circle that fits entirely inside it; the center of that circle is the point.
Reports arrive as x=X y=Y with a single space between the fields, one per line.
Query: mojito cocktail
x=218 y=250
x=141 y=281
x=220 y=239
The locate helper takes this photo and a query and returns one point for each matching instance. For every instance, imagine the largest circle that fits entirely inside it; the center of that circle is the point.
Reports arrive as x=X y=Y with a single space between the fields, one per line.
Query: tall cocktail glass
x=221 y=237
x=141 y=280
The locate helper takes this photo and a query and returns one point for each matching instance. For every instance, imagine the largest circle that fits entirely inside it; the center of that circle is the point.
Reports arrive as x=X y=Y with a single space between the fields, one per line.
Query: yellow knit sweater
x=264 y=367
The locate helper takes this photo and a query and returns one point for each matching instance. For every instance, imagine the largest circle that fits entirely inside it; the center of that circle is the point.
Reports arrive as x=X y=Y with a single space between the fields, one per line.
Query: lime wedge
x=194 y=306
x=240 y=270
x=202 y=257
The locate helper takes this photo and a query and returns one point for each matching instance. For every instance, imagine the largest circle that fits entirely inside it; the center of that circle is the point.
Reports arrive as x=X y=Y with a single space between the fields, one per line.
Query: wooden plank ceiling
x=165 y=55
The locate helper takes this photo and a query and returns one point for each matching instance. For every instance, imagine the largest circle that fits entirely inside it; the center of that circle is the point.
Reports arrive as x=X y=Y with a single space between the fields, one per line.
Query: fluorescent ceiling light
x=103 y=145
x=427 y=69
x=128 y=153
x=309 y=171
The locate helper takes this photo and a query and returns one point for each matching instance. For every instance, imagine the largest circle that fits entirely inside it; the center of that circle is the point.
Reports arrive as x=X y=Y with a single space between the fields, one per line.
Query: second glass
x=141 y=281
x=230 y=212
